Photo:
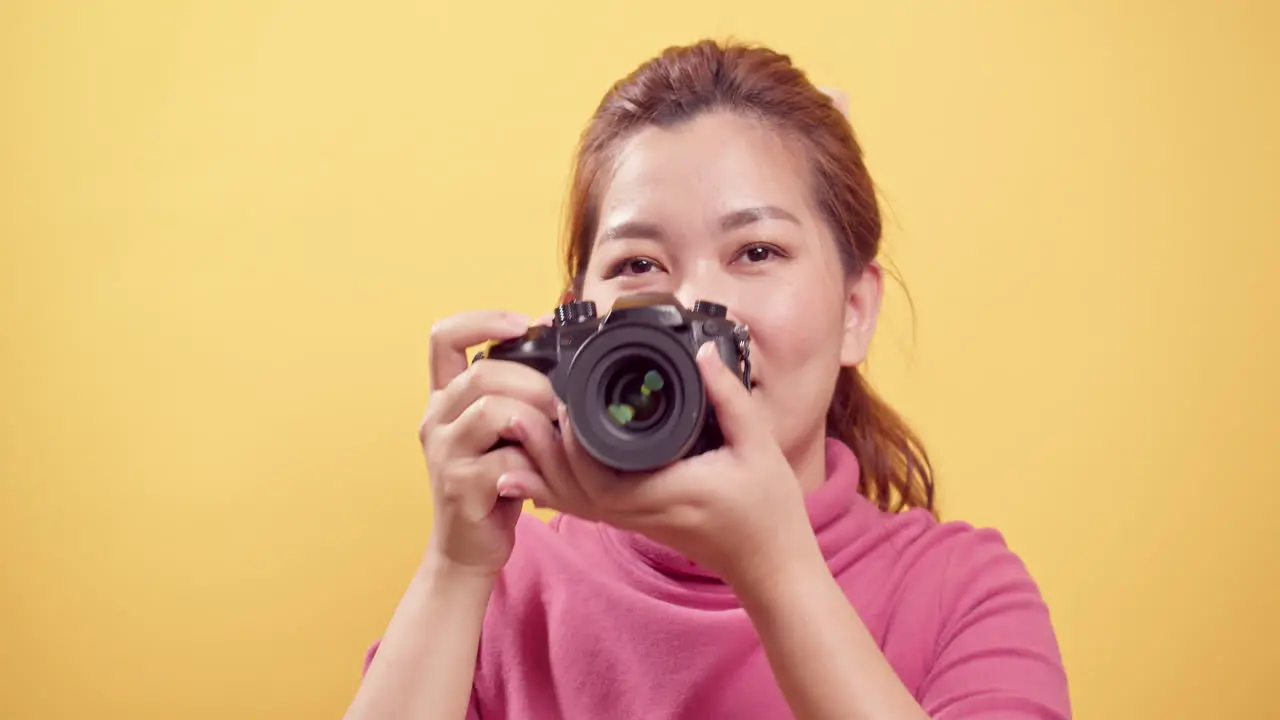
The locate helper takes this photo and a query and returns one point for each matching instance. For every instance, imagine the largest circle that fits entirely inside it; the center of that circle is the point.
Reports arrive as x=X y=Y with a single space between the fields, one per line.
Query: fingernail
x=518 y=321
x=508 y=488
x=706 y=351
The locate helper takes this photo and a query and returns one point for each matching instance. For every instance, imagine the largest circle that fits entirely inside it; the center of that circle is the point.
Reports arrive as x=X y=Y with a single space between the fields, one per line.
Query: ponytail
x=895 y=470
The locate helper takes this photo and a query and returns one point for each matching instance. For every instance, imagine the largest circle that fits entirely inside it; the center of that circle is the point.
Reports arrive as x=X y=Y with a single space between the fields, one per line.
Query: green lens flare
x=652 y=382
x=621 y=414
x=637 y=402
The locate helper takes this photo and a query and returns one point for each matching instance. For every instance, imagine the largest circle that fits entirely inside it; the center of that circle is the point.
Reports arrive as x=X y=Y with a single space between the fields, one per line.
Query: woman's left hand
x=737 y=511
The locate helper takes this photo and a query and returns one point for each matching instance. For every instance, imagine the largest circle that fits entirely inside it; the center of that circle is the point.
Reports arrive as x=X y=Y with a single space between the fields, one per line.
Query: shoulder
x=980 y=571
x=953 y=555
x=967 y=568
x=994 y=646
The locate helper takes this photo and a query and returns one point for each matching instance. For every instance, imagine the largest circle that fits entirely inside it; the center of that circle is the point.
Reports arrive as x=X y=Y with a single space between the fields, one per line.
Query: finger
x=474 y=486
x=526 y=485
x=734 y=408
x=575 y=456
x=596 y=484
x=484 y=423
x=545 y=320
x=451 y=337
x=556 y=486
x=493 y=377
x=601 y=492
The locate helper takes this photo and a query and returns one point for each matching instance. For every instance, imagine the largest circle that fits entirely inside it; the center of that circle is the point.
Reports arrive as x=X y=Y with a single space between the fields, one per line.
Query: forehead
x=707 y=166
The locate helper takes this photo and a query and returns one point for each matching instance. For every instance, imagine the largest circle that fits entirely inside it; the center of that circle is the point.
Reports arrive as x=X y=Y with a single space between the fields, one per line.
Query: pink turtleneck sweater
x=591 y=622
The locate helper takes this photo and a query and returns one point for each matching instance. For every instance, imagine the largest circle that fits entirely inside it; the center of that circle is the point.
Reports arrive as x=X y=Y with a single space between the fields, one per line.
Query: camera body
x=628 y=378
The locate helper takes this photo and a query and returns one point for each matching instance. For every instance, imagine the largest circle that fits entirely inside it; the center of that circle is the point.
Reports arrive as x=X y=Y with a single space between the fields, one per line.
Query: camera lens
x=636 y=395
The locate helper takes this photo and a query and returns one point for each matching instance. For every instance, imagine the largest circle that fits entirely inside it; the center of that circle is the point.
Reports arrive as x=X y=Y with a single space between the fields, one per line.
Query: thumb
x=732 y=401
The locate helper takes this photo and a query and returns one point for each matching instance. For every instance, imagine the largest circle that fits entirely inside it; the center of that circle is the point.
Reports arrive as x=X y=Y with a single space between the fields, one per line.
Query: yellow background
x=227 y=227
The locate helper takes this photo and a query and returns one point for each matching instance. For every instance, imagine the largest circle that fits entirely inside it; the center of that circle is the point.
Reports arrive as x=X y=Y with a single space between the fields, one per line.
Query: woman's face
x=720 y=209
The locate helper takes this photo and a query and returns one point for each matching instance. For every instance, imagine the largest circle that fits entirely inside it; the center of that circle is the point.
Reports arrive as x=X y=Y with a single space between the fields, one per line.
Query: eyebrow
x=740 y=218
x=639 y=230
x=633 y=230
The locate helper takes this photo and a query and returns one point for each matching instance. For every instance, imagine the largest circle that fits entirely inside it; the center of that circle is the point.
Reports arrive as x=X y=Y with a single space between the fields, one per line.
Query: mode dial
x=575 y=312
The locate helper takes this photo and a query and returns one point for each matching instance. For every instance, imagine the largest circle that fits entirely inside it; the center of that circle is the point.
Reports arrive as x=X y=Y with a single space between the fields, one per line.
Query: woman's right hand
x=471 y=408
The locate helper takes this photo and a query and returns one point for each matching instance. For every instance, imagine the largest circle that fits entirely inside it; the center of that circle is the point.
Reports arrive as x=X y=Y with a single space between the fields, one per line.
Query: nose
x=709 y=283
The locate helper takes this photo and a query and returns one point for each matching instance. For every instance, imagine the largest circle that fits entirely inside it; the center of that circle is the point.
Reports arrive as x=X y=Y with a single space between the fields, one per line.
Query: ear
x=862 y=311
x=838 y=98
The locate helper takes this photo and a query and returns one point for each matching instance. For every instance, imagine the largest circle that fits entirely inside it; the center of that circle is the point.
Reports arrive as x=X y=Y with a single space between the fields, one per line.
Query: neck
x=809 y=462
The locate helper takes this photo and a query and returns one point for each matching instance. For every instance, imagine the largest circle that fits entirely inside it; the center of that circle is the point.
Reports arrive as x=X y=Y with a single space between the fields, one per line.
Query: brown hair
x=684 y=82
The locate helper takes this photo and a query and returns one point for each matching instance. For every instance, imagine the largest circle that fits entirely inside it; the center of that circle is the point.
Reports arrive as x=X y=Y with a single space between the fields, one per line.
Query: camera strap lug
x=742 y=338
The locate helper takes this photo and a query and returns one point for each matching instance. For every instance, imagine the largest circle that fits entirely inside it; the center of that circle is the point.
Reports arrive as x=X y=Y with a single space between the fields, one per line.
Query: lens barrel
x=635 y=397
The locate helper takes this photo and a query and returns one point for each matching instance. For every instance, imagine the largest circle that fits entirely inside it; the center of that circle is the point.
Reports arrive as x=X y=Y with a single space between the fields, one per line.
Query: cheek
x=794 y=329
x=599 y=293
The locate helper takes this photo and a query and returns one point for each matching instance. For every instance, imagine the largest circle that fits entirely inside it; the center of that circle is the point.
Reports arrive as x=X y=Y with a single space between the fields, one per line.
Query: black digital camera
x=628 y=379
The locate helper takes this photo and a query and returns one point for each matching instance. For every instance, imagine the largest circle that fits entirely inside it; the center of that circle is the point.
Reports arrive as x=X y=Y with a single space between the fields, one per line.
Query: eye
x=755 y=254
x=634 y=266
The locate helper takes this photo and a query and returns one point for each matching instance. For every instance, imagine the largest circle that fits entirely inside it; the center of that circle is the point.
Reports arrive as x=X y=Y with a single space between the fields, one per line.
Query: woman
x=798 y=571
